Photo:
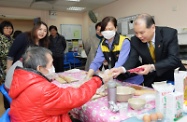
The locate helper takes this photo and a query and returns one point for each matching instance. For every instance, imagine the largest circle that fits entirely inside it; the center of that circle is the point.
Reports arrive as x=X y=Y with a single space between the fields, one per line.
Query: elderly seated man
x=35 y=99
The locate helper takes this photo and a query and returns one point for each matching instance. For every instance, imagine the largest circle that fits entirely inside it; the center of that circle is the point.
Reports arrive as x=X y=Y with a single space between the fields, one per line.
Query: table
x=97 y=110
x=82 y=59
x=134 y=119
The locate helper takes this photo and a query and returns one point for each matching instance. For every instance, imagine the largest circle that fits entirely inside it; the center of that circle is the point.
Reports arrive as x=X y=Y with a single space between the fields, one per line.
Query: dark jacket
x=57 y=46
x=18 y=47
x=166 y=52
x=20 y=44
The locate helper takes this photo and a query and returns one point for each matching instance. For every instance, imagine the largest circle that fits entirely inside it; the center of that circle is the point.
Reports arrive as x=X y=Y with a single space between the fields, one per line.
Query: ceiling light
x=73 y=8
x=73 y=0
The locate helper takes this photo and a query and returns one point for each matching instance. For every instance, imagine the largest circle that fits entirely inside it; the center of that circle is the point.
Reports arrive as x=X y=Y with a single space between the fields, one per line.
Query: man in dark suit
x=155 y=49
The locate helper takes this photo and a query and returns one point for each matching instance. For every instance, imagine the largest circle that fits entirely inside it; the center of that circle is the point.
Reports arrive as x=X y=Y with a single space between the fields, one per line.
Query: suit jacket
x=166 y=53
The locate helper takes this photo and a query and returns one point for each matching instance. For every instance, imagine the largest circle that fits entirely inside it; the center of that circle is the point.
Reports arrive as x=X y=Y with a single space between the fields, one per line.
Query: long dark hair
x=44 y=42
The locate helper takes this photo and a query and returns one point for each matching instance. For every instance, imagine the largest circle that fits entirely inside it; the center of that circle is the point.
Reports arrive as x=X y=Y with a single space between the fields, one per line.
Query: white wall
x=25 y=14
x=20 y=24
x=166 y=12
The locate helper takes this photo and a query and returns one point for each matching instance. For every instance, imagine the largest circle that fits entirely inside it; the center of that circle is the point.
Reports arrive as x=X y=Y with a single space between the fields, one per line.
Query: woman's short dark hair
x=106 y=20
x=33 y=35
x=6 y=24
x=53 y=27
x=98 y=24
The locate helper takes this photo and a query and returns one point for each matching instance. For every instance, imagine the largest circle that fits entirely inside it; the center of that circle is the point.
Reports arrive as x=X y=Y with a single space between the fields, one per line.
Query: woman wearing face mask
x=113 y=50
x=38 y=36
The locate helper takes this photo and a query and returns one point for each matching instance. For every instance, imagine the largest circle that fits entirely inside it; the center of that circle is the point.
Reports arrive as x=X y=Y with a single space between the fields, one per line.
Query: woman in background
x=57 y=45
x=38 y=36
x=6 y=30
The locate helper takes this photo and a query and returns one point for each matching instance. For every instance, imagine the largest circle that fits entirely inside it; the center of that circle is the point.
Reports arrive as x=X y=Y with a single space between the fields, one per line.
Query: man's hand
x=117 y=71
x=147 y=69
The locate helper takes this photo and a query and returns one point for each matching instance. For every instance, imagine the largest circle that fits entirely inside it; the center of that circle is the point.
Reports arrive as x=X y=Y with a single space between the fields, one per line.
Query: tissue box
x=174 y=105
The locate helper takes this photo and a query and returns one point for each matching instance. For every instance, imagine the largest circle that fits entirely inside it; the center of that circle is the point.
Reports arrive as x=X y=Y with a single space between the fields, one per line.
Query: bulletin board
x=182 y=36
x=125 y=25
x=71 y=31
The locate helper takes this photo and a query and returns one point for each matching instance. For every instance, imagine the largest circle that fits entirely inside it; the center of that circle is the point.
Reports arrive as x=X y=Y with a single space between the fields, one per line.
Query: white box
x=179 y=80
x=161 y=101
x=174 y=105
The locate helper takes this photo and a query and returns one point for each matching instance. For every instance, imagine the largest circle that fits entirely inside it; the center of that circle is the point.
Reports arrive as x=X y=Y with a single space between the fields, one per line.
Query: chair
x=5 y=93
x=73 y=61
x=67 y=64
x=5 y=117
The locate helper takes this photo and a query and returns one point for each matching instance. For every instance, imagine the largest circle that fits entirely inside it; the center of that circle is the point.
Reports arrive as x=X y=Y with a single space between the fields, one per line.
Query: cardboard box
x=161 y=101
x=174 y=105
x=179 y=80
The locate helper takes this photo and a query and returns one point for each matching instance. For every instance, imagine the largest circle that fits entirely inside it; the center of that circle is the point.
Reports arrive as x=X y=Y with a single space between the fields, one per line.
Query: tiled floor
x=1 y=105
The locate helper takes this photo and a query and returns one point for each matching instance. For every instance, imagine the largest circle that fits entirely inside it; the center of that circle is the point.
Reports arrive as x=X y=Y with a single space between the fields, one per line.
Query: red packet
x=136 y=70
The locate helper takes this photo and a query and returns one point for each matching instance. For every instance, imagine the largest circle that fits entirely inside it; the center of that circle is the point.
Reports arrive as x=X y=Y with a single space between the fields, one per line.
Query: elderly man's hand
x=106 y=76
x=147 y=69
x=117 y=71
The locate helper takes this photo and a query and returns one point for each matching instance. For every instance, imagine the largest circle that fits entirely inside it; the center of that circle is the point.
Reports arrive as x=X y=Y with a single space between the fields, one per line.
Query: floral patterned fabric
x=97 y=110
